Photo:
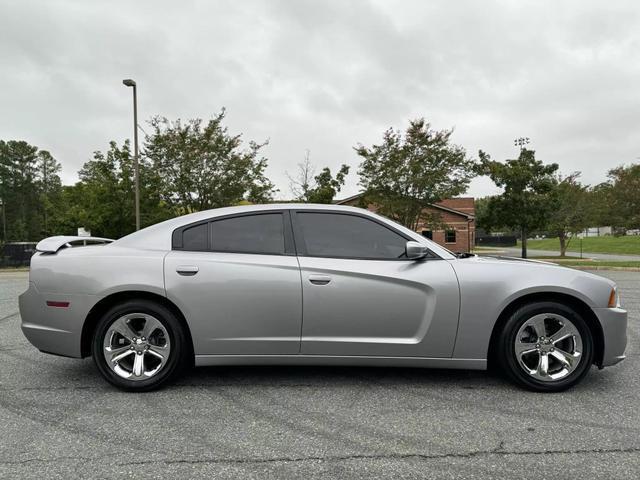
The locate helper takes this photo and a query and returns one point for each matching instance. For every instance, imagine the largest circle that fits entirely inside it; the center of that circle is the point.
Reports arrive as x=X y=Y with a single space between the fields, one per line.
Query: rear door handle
x=319 y=279
x=187 y=270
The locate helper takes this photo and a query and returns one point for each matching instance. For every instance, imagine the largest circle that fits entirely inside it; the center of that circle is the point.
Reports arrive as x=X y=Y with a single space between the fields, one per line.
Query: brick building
x=458 y=214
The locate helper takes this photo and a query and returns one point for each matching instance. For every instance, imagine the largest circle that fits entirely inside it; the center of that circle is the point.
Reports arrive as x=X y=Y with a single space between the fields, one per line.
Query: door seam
x=301 y=306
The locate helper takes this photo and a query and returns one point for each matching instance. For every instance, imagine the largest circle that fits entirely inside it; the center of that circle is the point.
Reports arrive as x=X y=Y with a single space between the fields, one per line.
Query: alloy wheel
x=548 y=347
x=136 y=346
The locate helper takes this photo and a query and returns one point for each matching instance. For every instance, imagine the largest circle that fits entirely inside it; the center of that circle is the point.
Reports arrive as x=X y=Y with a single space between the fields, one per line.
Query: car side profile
x=312 y=285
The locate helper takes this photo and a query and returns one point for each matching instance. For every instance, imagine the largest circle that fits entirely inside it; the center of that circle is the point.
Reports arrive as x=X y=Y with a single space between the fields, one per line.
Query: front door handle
x=187 y=270
x=319 y=279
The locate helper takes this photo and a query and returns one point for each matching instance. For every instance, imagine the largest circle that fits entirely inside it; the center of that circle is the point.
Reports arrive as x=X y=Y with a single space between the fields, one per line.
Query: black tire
x=178 y=358
x=506 y=354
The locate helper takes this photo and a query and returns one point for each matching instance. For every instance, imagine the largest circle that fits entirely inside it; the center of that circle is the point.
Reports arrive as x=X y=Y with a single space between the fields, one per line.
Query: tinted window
x=195 y=238
x=337 y=235
x=249 y=234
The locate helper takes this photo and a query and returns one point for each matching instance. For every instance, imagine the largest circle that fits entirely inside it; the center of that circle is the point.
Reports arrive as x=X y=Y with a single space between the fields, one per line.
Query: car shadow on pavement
x=375 y=377
x=83 y=374
x=315 y=376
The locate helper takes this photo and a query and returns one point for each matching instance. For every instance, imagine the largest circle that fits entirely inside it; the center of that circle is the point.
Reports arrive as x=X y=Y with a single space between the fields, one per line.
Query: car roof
x=158 y=236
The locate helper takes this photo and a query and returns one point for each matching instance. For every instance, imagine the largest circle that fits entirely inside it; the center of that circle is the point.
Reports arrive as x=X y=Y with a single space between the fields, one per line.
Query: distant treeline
x=197 y=165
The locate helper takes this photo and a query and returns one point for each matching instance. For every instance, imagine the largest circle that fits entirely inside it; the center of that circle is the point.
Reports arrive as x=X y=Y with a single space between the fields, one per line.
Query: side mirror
x=416 y=250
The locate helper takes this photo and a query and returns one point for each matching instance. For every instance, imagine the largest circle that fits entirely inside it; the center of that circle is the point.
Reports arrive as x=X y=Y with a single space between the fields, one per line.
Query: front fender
x=488 y=287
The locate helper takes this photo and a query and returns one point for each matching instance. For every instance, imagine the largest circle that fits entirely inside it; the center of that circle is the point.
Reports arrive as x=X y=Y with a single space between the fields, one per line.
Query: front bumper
x=53 y=329
x=614 y=329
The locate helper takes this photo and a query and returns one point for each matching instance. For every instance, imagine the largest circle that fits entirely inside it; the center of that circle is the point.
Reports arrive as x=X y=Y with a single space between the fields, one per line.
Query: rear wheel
x=546 y=347
x=139 y=345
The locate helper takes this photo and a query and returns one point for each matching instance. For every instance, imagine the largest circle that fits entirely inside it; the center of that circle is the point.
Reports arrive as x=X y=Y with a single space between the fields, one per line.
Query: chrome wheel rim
x=548 y=347
x=136 y=346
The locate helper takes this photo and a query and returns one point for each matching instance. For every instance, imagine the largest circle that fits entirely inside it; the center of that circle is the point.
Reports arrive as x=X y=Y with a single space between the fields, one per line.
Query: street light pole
x=130 y=83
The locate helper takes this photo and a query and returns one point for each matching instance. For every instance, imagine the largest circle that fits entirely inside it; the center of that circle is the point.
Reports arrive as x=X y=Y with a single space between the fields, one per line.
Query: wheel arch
x=566 y=299
x=91 y=321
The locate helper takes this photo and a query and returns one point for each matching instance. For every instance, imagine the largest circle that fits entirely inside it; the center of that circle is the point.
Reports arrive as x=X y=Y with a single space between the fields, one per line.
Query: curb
x=14 y=270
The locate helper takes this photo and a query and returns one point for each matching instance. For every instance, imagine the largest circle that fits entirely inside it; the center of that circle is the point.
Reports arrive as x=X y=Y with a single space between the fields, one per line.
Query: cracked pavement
x=58 y=419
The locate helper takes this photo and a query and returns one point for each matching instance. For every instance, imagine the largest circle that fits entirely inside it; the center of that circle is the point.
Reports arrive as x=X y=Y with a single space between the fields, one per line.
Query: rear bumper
x=614 y=329
x=54 y=329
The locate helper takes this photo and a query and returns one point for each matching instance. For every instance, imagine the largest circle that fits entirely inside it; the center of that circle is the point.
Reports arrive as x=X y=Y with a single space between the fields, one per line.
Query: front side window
x=348 y=236
x=262 y=233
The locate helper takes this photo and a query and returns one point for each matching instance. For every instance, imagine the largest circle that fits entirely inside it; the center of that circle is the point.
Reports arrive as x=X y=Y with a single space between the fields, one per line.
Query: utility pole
x=130 y=83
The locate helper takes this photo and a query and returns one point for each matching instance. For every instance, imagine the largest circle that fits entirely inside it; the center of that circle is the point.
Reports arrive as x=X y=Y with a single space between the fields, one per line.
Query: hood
x=525 y=260
x=502 y=259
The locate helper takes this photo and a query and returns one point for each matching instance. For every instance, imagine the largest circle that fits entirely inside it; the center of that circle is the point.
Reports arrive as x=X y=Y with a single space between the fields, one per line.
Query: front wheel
x=139 y=345
x=546 y=347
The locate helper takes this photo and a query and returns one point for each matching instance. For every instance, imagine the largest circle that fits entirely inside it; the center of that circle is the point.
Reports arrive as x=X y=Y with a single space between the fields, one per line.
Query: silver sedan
x=312 y=284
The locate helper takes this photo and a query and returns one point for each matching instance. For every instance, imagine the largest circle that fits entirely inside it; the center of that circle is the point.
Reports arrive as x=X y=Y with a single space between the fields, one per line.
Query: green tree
x=326 y=186
x=307 y=187
x=50 y=189
x=526 y=202
x=105 y=194
x=624 y=197
x=29 y=187
x=72 y=210
x=570 y=213
x=408 y=172
x=19 y=172
x=486 y=216
x=202 y=166
x=599 y=205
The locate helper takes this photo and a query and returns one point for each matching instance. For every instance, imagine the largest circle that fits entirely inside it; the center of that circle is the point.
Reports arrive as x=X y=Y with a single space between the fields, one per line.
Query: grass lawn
x=622 y=245
x=588 y=262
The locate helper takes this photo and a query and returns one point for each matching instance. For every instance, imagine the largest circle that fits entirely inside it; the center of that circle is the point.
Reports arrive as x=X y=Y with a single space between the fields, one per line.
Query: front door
x=237 y=281
x=363 y=297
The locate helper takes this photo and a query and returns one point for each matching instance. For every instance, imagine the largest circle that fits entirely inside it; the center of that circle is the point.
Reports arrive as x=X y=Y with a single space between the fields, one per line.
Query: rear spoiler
x=53 y=244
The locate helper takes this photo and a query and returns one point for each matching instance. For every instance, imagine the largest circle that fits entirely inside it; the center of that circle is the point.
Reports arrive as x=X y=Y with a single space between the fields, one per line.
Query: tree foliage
x=105 y=194
x=201 y=166
x=623 y=196
x=486 y=216
x=50 y=191
x=570 y=212
x=406 y=173
x=195 y=165
x=29 y=189
x=526 y=203
x=307 y=187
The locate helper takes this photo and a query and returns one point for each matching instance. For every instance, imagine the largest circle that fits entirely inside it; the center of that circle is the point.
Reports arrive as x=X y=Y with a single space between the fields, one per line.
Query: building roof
x=464 y=203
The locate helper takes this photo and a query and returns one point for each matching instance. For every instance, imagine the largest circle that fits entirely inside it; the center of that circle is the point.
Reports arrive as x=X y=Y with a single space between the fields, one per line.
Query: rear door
x=363 y=297
x=237 y=281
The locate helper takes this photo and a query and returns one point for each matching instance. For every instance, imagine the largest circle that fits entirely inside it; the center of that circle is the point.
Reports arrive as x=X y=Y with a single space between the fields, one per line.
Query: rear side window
x=348 y=236
x=249 y=234
x=195 y=238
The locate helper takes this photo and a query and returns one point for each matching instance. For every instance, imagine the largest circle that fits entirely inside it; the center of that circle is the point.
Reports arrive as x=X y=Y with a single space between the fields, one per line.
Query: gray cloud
x=327 y=75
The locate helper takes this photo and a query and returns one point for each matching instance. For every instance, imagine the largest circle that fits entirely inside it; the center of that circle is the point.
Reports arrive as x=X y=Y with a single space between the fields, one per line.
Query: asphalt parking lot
x=58 y=419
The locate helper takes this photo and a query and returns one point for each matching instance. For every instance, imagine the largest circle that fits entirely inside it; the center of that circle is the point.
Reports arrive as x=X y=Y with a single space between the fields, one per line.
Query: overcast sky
x=326 y=75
